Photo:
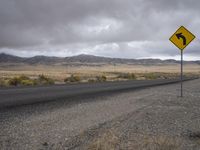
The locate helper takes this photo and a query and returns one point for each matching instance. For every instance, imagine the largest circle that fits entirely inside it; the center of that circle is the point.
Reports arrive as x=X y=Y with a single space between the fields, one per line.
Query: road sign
x=182 y=38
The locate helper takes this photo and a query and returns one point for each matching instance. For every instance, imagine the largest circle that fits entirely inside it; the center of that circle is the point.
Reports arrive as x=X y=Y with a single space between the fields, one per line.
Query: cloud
x=115 y=28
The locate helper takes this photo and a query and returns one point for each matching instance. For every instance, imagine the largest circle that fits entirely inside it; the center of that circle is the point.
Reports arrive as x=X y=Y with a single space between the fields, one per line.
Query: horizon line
x=94 y=56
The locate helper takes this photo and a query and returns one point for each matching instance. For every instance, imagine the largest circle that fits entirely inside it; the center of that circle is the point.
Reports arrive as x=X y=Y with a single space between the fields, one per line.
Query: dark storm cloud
x=94 y=26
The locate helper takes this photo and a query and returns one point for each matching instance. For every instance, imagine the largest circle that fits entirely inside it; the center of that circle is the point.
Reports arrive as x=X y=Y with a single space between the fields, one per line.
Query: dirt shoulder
x=169 y=122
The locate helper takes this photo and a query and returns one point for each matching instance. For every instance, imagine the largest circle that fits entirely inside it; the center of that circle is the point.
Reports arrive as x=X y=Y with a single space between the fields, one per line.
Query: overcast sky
x=112 y=28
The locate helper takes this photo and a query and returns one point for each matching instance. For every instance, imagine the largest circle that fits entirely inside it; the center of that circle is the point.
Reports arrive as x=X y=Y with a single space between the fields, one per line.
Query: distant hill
x=10 y=58
x=84 y=59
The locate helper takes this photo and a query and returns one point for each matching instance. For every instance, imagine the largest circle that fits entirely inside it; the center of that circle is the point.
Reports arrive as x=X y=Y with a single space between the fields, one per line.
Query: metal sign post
x=181 y=73
x=181 y=39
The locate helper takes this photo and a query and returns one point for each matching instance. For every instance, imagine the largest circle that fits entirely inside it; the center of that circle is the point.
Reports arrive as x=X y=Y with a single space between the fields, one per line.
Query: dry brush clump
x=72 y=78
x=26 y=81
x=76 y=78
x=152 y=76
x=4 y=82
x=44 y=80
x=110 y=140
x=156 y=142
x=157 y=75
x=102 y=78
x=20 y=80
x=129 y=76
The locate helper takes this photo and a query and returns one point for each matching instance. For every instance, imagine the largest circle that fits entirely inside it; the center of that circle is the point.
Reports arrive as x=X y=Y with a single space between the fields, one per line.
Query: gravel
x=129 y=119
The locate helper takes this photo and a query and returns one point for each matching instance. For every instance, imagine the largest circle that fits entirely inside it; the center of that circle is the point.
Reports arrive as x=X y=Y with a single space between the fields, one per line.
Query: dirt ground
x=59 y=73
x=169 y=122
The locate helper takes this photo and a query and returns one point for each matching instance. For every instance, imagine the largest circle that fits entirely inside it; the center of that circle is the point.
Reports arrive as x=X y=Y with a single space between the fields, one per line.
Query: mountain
x=10 y=58
x=85 y=59
x=43 y=60
x=96 y=59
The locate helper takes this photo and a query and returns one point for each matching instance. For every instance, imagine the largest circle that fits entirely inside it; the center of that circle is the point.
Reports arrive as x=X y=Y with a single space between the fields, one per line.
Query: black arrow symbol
x=179 y=35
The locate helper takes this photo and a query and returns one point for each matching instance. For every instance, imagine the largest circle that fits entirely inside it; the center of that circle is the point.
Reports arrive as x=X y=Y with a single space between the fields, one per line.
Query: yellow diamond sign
x=182 y=38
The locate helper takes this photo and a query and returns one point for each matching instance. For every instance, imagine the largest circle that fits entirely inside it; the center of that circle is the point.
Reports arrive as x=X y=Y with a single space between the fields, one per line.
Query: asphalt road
x=28 y=95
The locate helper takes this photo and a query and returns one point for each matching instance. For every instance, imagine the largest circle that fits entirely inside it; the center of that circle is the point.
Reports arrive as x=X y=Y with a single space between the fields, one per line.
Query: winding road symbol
x=181 y=36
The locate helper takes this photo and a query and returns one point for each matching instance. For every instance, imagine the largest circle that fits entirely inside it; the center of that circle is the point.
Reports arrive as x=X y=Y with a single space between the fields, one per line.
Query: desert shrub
x=23 y=77
x=130 y=76
x=91 y=80
x=151 y=76
x=72 y=78
x=44 y=80
x=42 y=77
x=101 y=78
x=15 y=81
x=21 y=80
x=27 y=82
x=3 y=82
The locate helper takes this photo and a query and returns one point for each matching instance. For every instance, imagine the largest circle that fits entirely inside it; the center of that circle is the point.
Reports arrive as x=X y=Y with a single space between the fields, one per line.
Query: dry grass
x=59 y=73
x=194 y=136
x=110 y=140
x=158 y=142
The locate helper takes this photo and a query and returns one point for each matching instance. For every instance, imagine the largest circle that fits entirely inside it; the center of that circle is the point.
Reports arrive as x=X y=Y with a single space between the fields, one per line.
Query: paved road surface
x=29 y=95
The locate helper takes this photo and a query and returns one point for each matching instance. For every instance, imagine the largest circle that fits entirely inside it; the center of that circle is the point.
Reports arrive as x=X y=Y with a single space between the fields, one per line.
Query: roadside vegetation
x=26 y=81
x=152 y=76
x=72 y=78
x=44 y=80
x=129 y=76
x=110 y=140
x=77 y=78
x=102 y=78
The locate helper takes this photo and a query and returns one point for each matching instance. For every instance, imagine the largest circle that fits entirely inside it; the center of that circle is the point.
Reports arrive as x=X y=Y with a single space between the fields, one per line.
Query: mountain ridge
x=85 y=59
